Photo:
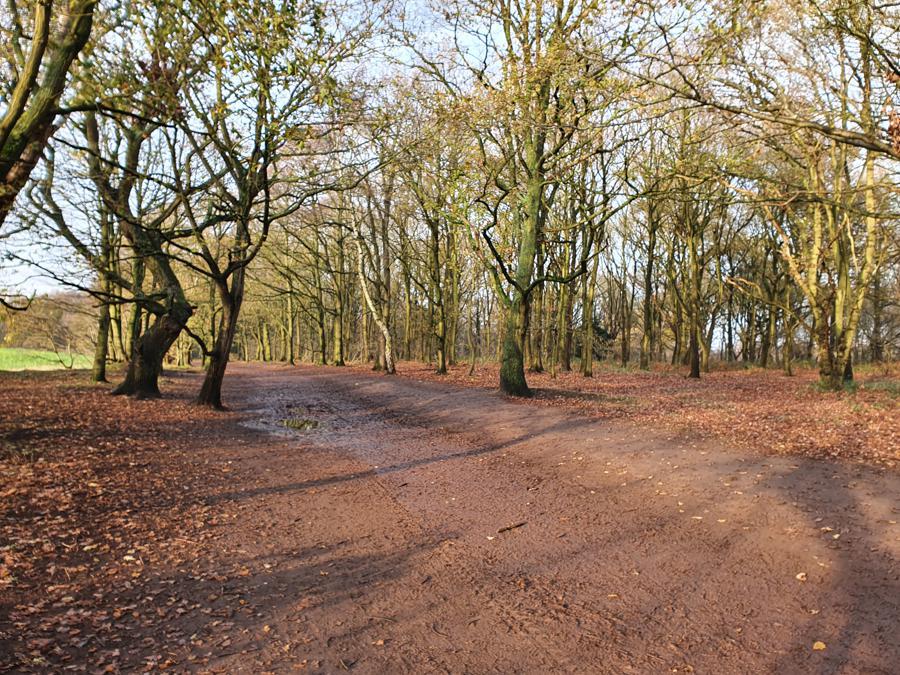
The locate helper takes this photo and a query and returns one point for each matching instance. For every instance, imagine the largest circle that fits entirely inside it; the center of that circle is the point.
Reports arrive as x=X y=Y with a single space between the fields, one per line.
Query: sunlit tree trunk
x=512 y=360
x=587 y=320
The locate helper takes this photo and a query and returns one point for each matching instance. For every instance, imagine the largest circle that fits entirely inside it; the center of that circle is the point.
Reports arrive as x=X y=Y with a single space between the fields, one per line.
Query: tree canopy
x=544 y=184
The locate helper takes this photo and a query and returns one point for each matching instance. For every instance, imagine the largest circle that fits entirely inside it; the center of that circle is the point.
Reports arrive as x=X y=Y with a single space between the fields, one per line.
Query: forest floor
x=751 y=408
x=409 y=525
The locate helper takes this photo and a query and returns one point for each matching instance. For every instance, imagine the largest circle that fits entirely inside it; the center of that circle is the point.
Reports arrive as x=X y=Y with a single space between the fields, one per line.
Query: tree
x=259 y=108
x=533 y=94
x=36 y=68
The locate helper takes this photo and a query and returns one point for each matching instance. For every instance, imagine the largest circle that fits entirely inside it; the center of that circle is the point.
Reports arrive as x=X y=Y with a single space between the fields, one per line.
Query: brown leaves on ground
x=100 y=525
x=763 y=410
x=112 y=544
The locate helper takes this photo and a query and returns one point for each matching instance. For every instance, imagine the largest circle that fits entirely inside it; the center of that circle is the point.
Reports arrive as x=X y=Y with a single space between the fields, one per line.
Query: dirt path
x=377 y=543
x=638 y=553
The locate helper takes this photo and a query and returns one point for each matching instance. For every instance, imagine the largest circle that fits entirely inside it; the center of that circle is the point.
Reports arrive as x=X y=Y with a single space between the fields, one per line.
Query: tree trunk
x=729 y=329
x=439 y=317
x=647 y=314
x=512 y=360
x=706 y=342
x=440 y=333
x=535 y=334
x=694 y=304
x=625 y=337
x=337 y=348
x=291 y=327
x=101 y=350
x=847 y=371
x=117 y=344
x=211 y=391
x=587 y=322
x=768 y=338
x=451 y=317
x=98 y=372
x=564 y=329
x=695 y=349
x=788 y=355
x=473 y=349
x=388 y=349
x=266 y=338
x=142 y=377
x=877 y=343
x=830 y=373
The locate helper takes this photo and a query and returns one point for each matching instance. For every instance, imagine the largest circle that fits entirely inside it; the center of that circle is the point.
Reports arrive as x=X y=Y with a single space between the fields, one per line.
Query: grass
x=36 y=359
x=891 y=387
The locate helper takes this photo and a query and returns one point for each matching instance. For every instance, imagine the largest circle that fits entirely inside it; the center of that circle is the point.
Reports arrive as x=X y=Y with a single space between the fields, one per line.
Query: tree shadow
x=862 y=618
x=858 y=601
x=428 y=459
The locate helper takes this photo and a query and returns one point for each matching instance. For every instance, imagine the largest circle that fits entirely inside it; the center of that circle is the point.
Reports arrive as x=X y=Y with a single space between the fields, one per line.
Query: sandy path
x=373 y=542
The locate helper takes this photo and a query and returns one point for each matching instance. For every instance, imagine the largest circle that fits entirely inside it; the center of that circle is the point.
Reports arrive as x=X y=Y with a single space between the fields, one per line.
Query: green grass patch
x=846 y=387
x=890 y=387
x=12 y=358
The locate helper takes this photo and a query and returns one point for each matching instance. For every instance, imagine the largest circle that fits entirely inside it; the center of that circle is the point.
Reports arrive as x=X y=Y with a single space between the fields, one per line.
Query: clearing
x=400 y=525
x=14 y=358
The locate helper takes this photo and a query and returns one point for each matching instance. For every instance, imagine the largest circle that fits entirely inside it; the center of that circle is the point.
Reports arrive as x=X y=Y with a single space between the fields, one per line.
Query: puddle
x=300 y=424
x=286 y=420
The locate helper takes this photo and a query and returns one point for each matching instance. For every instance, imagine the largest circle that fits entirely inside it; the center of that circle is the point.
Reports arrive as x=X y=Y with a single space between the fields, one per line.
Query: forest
x=660 y=216
x=540 y=184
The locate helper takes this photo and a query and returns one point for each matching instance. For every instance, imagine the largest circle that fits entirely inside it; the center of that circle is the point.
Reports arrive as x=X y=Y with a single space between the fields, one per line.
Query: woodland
x=449 y=336
x=541 y=184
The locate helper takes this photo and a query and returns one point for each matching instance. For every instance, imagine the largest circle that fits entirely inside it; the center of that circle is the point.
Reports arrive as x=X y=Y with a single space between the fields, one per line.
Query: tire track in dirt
x=641 y=553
